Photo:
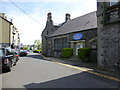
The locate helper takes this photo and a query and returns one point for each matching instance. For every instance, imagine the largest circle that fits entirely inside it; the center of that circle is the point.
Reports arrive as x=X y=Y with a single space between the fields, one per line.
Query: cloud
x=32 y=30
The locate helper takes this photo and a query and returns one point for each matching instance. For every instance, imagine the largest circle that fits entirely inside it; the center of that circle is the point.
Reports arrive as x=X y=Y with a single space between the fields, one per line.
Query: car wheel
x=8 y=69
x=10 y=63
x=9 y=66
x=14 y=64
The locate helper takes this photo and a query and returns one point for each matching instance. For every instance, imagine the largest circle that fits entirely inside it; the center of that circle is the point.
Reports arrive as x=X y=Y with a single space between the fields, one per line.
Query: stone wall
x=88 y=35
x=108 y=40
x=44 y=49
x=108 y=45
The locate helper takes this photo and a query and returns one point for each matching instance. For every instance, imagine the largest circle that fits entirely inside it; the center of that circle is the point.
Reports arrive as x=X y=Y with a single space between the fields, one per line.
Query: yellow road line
x=105 y=76
x=88 y=70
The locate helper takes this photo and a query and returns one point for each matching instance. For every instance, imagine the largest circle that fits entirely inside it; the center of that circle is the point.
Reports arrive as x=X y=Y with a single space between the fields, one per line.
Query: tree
x=37 y=44
x=26 y=47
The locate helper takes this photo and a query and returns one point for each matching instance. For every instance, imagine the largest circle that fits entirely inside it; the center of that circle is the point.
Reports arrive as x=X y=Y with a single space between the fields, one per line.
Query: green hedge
x=67 y=52
x=83 y=53
x=36 y=51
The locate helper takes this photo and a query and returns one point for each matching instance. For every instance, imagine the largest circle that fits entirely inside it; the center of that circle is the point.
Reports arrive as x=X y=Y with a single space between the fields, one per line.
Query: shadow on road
x=80 y=80
x=37 y=56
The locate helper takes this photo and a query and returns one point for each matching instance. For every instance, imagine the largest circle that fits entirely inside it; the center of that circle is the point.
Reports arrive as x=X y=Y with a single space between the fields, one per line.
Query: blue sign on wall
x=77 y=36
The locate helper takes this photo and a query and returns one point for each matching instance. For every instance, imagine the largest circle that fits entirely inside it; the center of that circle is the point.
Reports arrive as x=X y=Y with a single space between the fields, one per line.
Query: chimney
x=49 y=16
x=3 y=15
x=67 y=18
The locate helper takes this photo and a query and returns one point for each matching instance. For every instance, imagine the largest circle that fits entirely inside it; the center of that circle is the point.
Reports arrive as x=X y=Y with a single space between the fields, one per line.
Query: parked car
x=7 y=59
x=16 y=55
x=23 y=53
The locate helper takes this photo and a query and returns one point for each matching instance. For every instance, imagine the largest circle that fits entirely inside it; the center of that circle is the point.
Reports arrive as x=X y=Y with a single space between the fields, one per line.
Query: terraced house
x=65 y=35
x=108 y=19
x=9 y=35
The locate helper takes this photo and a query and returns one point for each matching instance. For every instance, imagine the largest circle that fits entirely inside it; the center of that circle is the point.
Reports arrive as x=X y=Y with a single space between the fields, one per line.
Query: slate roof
x=85 y=22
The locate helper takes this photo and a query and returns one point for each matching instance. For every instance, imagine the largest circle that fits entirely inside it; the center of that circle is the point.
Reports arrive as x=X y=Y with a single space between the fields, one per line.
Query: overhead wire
x=24 y=12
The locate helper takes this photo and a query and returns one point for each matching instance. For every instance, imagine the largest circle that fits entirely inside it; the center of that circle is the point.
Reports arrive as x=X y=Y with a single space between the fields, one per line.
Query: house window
x=113 y=2
x=1 y=52
x=60 y=43
x=111 y=13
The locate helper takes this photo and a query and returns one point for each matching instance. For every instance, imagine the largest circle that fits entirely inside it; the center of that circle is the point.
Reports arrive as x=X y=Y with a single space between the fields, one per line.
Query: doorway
x=76 y=45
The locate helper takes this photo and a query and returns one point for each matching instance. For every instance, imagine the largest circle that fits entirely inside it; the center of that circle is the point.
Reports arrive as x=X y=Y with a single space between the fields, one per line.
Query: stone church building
x=65 y=35
x=99 y=31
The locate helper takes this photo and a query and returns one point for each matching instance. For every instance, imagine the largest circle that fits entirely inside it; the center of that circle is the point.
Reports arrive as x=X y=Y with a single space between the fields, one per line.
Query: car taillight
x=17 y=55
x=6 y=61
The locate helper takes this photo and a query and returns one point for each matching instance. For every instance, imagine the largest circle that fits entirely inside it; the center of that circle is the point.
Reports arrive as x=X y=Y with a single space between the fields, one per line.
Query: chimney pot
x=67 y=18
x=49 y=16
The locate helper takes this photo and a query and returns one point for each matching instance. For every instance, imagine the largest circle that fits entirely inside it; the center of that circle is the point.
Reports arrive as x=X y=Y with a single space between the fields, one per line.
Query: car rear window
x=1 y=52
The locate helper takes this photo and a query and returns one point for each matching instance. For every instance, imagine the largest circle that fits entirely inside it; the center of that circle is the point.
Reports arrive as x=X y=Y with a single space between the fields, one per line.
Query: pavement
x=90 y=67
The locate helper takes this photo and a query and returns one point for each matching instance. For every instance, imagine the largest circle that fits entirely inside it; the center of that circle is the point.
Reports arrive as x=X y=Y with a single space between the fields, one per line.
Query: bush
x=25 y=48
x=83 y=53
x=67 y=52
x=37 y=51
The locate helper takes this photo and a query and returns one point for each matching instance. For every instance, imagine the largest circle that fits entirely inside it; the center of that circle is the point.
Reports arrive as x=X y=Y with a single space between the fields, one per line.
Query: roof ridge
x=87 y=21
x=84 y=15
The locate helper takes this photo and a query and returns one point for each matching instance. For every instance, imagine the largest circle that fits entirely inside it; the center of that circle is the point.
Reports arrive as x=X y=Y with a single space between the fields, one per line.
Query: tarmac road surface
x=33 y=71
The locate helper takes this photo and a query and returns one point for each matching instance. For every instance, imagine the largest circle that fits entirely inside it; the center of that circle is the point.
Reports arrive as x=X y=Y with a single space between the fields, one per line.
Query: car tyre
x=8 y=69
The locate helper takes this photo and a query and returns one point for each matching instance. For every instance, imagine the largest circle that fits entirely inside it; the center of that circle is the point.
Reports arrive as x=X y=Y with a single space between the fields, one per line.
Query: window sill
x=111 y=22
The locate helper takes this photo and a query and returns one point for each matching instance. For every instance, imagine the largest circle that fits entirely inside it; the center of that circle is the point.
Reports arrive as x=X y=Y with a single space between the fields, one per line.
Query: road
x=33 y=71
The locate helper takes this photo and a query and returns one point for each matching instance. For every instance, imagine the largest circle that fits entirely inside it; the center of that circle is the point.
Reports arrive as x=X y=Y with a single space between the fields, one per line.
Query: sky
x=30 y=26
